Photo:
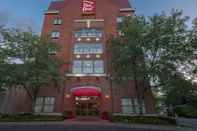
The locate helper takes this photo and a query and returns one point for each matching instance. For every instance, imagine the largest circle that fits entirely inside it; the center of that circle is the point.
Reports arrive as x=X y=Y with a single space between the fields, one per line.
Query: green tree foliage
x=28 y=61
x=181 y=92
x=127 y=58
x=153 y=50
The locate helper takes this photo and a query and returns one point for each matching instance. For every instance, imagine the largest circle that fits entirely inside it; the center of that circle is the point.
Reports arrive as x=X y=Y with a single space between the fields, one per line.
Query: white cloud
x=8 y=19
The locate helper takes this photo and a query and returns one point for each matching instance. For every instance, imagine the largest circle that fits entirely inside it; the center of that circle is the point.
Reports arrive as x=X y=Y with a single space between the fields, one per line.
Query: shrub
x=186 y=111
x=156 y=120
x=29 y=117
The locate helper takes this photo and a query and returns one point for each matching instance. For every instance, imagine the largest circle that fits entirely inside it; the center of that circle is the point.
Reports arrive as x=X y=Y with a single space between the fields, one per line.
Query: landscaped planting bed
x=155 y=120
x=29 y=118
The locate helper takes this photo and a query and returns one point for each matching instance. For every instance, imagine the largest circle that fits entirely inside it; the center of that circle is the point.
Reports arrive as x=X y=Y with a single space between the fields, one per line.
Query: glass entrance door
x=87 y=106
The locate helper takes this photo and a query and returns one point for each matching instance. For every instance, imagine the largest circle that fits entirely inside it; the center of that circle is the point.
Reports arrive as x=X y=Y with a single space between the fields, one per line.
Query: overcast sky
x=23 y=13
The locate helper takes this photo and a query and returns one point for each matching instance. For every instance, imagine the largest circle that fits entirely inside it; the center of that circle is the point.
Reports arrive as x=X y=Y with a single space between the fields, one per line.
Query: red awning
x=86 y=91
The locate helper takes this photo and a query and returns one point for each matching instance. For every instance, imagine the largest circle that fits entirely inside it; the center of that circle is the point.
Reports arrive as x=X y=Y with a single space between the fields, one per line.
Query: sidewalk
x=187 y=122
x=73 y=122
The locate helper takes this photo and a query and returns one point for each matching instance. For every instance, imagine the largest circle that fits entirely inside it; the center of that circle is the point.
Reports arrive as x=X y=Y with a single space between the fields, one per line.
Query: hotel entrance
x=87 y=106
x=87 y=101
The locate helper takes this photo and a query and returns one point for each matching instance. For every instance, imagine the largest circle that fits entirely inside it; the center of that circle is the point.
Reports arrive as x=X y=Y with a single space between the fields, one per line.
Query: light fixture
x=87 y=56
x=79 y=39
x=107 y=96
x=98 y=56
x=97 y=39
x=67 y=95
x=88 y=39
x=78 y=56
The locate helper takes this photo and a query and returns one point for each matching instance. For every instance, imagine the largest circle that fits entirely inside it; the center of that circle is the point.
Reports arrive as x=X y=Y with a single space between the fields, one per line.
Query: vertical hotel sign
x=88 y=7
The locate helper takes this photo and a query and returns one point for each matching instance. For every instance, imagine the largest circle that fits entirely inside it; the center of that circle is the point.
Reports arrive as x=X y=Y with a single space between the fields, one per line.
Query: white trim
x=90 y=20
x=126 y=9
x=52 y=12
x=85 y=75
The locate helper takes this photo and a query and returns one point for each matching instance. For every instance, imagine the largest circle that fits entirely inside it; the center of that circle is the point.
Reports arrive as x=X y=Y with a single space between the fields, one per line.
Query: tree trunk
x=137 y=88
x=112 y=98
x=139 y=95
x=32 y=95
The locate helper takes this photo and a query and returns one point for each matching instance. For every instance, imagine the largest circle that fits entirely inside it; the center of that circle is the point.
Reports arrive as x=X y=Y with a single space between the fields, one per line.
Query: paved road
x=187 y=122
x=84 y=127
x=68 y=128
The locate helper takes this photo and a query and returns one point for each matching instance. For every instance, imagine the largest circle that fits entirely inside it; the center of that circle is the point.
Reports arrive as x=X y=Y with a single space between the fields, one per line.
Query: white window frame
x=55 y=34
x=42 y=105
x=88 y=67
x=98 y=66
x=127 y=107
x=88 y=33
x=120 y=19
x=57 y=21
x=84 y=48
x=78 y=67
x=133 y=105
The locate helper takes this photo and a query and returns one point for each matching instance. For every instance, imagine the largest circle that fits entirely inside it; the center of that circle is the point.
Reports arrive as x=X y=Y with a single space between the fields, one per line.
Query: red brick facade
x=104 y=18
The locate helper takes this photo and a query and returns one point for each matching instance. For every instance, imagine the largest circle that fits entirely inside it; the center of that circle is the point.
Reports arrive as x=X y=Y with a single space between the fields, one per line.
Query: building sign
x=88 y=7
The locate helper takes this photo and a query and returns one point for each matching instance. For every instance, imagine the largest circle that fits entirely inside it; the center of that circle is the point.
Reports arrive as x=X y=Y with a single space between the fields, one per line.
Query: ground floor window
x=44 y=104
x=132 y=106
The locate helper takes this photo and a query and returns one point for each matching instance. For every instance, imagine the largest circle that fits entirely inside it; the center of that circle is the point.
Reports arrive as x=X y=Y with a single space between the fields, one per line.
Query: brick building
x=81 y=28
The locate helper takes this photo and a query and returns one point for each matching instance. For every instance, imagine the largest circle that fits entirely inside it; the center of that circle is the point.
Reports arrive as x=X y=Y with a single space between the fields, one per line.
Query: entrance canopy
x=86 y=91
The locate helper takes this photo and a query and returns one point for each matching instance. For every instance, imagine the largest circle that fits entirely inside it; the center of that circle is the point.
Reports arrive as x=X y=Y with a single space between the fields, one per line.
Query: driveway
x=84 y=126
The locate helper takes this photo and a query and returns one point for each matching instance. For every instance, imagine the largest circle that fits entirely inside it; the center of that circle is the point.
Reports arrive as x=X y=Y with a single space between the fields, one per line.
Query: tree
x=127 y=56
x=151 y=51
x=181 y=92
x=2 y=62
x=28 y=62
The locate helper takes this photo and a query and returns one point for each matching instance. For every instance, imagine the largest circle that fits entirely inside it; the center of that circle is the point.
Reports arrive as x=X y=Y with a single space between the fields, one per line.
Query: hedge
x=29 y=118
x=155 y=120
x=186 y=111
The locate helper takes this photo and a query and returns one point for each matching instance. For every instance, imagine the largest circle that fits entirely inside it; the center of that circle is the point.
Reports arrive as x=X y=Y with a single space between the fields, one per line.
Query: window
x=88 y=67
x=82 y=48
x=88 y=33
x=98 y=67
x=38 y=105
x=130 y=106
x=52 y=51
x=48 y=104
x=120 y=19
x=120 y=33
x=44 y=104
x=138 y=106
x=57 y=21
x=77 y=67
x=127 y=106
x=55 y=34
